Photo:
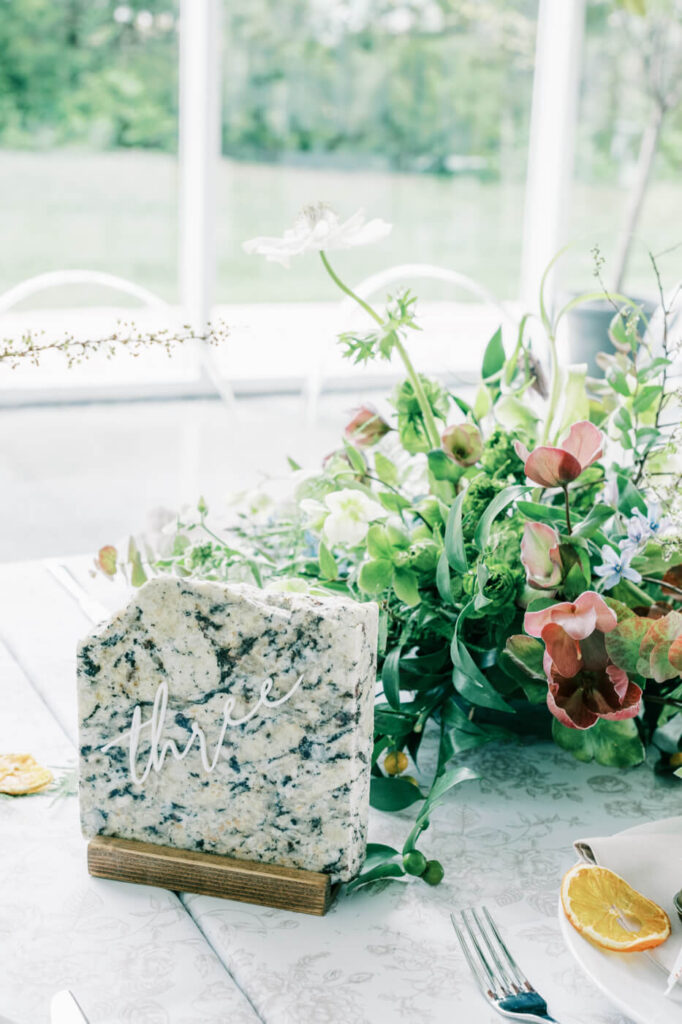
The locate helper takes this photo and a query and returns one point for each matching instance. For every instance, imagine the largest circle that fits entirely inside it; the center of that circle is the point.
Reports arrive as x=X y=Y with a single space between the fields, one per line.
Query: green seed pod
x=433 y=873
x=414 y=862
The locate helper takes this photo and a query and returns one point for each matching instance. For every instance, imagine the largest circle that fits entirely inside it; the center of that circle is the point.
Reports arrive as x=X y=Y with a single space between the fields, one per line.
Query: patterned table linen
x=132 y=954
x=389 y=953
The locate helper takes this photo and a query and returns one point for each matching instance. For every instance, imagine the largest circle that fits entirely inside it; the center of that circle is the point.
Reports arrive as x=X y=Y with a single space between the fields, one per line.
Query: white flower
x=350 y=513
x=317 y=227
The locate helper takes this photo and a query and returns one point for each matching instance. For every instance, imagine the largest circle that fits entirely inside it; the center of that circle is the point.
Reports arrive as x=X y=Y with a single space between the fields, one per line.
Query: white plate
x=634 y=982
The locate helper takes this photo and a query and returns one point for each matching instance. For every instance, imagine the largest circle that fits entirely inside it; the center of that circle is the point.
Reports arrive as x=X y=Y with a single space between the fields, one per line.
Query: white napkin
x=649 y=857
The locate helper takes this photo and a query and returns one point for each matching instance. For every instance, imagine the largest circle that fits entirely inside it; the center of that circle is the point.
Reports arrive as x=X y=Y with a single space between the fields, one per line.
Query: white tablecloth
x=144 y=956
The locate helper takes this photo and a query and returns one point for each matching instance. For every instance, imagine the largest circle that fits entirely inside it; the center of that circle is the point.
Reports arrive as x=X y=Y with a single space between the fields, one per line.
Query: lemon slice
x=605 y=909
x=21 y=774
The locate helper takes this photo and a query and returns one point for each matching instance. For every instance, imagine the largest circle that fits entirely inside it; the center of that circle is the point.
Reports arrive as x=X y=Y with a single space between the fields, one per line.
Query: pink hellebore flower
x=556 y=467
x=367 y=427
x=540 y=556
x=584 y=684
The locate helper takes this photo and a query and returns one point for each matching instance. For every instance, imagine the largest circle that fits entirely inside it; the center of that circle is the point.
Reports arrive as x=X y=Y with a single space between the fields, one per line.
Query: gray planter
x=588 y=331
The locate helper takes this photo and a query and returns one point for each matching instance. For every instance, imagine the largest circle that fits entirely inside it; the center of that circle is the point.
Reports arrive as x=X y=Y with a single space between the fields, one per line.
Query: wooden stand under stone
x=305 y=892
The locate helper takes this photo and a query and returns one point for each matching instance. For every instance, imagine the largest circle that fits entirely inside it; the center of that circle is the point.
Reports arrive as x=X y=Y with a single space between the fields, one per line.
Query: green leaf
x=655 y=646
x=499 y=502
x=515 y=415
x=443 y=578
x=442 y=467
x=385 y=469
x=542 y=513
x=527 y=653
x=577 y=570
x=388 y=722
x=442 y=784
x=293 y=465
x=653 y=369
x=420 y=664
x=616 y=744
x=597 y=517
x=378 y=852
x=378 y=543
x=454 y=537
x=575 y=405
x=137 y=574
x=538 y=603
x=622 y=420
x=392 y=794
x=493 y=357
x=459 y=733
x=393 y=502
x=387 y=870
x=618 y=382
x=624 y=642
x=390 y=677
x=470 y=682
x=375 y=575
x=406 y=586
x=328 y=566
x=356 y=458
x=629 y=496
x=483 y=403
x=645 y=398
x=399 y=538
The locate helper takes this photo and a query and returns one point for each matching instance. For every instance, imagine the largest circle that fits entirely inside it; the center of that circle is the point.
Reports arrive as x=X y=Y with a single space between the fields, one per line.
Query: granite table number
x=234 y=721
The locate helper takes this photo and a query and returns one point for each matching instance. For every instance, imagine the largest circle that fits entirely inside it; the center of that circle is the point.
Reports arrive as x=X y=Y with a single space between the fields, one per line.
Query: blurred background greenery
x=417 y=109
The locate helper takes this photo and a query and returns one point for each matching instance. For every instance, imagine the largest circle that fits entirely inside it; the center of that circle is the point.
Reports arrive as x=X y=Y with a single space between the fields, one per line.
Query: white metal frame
x=554 y=110
x=199 y=151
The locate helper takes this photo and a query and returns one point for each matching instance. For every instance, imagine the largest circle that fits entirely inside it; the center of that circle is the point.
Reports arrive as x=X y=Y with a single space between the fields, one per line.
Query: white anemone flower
x=317 y=227
x=350 y=513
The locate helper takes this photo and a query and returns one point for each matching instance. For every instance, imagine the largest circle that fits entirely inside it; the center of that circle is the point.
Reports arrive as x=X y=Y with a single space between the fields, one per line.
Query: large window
x=631 y=93
x=417 y=111
x=88 y=133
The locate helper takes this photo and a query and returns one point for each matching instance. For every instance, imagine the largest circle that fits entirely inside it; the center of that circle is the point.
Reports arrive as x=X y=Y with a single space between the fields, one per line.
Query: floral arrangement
x=524 y=547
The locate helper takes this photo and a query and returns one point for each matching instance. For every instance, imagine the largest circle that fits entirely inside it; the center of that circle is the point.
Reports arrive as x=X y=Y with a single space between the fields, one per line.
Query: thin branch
x=29 y=349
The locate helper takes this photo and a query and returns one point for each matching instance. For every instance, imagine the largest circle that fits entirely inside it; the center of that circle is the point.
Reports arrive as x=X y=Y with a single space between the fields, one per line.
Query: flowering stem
x=555 y=388
x=424 y=405
x=568 y=511
x=349 y=291
x=662 y=583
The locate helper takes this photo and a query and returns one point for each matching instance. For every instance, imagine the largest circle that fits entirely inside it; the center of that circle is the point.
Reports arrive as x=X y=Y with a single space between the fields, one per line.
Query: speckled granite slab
x=231 y=720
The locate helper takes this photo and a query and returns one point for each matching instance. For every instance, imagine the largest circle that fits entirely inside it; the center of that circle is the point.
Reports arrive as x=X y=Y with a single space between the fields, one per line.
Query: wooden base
x=305 y=892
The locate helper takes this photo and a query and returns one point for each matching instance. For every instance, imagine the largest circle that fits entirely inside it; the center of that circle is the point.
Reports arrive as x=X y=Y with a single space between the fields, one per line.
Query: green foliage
x=441 y=554
x=69 y=72
x=615 y=744
x=413 y=435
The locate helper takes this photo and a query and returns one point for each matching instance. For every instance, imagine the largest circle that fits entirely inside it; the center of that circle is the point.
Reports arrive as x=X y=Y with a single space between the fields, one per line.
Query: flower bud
x=463 y=444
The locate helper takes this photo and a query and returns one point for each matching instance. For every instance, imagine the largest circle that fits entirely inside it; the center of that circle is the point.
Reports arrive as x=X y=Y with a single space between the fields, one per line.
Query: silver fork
x=497 y=974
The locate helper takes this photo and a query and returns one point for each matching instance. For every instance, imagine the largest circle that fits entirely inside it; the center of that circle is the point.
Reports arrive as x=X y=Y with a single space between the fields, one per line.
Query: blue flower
x=638 y=532
x=616 y=567
x=652 y=524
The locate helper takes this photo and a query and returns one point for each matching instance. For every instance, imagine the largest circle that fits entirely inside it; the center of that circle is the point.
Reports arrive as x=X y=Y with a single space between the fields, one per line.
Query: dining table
x=386 y=952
